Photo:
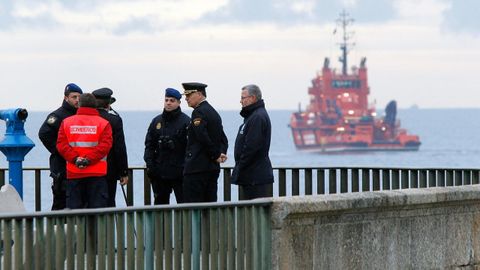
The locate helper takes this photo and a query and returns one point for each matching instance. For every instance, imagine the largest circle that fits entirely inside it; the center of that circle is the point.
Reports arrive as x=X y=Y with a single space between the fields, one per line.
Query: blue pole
x=15 y=176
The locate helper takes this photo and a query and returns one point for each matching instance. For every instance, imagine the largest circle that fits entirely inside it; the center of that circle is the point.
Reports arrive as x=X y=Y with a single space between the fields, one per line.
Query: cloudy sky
x=423 y=52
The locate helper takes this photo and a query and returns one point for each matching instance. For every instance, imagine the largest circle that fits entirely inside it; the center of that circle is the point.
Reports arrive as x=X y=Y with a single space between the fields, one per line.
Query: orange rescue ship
x=339 y=118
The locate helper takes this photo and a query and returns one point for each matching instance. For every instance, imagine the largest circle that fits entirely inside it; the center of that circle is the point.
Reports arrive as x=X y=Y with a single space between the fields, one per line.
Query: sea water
x=448 y=136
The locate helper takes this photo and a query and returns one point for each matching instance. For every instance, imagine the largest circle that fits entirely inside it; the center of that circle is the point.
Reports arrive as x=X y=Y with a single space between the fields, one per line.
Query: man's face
x=246 y=99
x=171 y=104
x=72 y=99
x=193 y=99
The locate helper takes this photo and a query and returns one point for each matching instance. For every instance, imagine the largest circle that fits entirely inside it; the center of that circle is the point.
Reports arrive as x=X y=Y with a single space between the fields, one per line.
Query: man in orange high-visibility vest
x=84 y=140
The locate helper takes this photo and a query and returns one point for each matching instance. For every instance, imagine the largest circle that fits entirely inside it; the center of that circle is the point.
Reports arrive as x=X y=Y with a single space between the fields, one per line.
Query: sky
x=419 y=52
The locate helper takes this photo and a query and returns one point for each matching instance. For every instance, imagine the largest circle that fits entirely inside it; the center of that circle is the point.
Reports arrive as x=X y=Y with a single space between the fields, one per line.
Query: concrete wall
x=435 y=228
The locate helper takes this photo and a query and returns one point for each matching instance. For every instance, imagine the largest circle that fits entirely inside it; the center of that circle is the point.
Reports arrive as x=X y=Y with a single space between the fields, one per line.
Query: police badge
x=51 y=120
x=197 y=121
x=159 y=125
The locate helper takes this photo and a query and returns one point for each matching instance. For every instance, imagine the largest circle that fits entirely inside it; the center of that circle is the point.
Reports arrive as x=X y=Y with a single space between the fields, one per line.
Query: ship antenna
x=343 y=22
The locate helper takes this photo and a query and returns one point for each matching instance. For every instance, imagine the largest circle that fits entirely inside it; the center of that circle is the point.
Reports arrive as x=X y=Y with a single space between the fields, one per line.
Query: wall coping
x=284 y=207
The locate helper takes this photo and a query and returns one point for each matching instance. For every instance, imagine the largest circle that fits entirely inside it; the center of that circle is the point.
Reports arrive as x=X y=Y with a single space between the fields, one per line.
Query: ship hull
x=348 y=148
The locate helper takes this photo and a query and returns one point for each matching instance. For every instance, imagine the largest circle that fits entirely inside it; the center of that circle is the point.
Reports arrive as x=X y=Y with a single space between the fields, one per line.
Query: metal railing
x=187 y=236
x=292 y=181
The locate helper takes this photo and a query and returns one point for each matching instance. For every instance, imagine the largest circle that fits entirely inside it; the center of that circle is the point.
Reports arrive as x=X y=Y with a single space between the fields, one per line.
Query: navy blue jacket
x=252 y=164
x=117 y=159
x=206 y=140
x=48 y=134
x=165 y=145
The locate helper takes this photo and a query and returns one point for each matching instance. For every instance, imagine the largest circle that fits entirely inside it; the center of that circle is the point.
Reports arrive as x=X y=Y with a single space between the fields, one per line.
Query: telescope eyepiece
x=22 y=114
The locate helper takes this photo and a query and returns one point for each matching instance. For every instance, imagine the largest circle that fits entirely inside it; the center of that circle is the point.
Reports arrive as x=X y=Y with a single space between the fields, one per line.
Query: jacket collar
x=172 y=114
x=87 y=111
x=68 y=107
x=248 y=110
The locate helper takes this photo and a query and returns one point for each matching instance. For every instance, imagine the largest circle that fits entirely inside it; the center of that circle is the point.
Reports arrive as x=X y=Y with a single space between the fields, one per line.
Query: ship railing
x=289 y=181
x=185 y=236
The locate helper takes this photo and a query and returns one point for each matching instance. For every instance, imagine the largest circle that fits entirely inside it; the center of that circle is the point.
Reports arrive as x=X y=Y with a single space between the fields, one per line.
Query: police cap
x=103 y=93
x=192 y=87
x=71 y=87
x=171 y=92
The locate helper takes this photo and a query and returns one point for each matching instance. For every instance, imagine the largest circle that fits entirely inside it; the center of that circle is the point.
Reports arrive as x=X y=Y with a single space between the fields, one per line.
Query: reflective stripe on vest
x=83 y=144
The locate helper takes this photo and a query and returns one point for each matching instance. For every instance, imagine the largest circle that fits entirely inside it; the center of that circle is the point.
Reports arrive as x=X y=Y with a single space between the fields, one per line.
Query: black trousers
x=88 y=192
x=200 y=187
x=162 y=188
x=112 y=191
x=250 y=192
x=59 y=190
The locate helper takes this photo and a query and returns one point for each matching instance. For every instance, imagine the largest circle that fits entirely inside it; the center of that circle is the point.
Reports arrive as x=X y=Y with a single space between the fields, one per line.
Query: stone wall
x=434 y=228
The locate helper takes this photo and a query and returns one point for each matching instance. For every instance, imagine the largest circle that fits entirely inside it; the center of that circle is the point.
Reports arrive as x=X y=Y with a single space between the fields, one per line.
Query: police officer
x=48 y=134
x=206 y=147
x=165 y=145
x=117 y=159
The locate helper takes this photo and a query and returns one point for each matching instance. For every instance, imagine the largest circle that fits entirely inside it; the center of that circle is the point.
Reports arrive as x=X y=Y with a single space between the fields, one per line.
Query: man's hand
x=81 y=162
x=123 y=180
x=222 y=158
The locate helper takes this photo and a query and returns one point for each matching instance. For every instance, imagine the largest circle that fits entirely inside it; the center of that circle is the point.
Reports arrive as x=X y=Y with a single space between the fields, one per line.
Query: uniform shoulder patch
x=197 y=121
x=158 y=126
x=51 y=119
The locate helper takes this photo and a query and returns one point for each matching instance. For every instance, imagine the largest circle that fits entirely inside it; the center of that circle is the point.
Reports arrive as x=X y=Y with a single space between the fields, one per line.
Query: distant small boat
x=338 y=117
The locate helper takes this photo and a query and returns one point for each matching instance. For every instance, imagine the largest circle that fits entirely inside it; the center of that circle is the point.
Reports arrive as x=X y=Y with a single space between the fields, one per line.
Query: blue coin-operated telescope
x=15 y=145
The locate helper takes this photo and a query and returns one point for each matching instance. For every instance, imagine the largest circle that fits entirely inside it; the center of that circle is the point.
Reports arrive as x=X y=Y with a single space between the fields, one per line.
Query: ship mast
x=343 y=22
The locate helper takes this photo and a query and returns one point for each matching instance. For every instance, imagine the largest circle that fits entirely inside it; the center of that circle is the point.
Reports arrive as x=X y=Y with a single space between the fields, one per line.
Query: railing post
x=130 y=188
x=365 y=179
x=395 y=179
x=177 y=239
x=405 y=178
x=308 y=181
x=295 y=182
x=414 y=178
x=343 y=180
x=475 y=178
x=332 y=181
x=441 y=178
x=385 y=179
x=147 y=197
x=355 y=180
x=227 y=188
x=458 y=177
x=187 y=239
x=423 y=178
x=449 y=178
x=282 y=182
x=320 y=181
x=432 y=178
x=38 y=190
x=467 y=176
x=376 y=179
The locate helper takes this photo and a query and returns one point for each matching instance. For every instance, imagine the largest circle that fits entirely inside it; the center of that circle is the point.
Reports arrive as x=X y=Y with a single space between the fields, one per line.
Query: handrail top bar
x=305 y=167
x=112 y=210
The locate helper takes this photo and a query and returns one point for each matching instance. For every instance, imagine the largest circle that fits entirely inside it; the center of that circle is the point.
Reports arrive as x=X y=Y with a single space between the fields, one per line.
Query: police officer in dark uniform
x=206 y=147
x=165 y=145
x=48 y=134
x=117 y=160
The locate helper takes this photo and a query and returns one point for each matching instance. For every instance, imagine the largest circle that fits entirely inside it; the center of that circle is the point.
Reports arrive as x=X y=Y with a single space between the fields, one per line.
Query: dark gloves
x=81 y=162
